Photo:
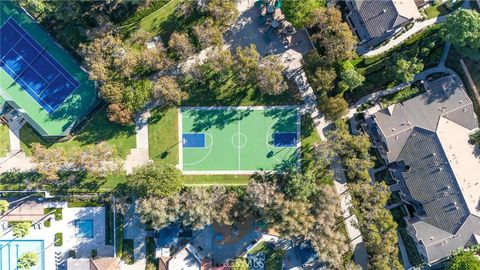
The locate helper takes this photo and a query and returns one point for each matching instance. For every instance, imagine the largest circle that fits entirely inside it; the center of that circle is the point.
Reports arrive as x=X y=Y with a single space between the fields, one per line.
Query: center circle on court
x=239 y=140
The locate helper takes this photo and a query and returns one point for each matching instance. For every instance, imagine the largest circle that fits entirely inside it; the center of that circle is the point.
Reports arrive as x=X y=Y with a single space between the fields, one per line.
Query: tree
x=223 y=12
x=104 y=57
x=353 y=150
x=21 y=229
x=300 y=187
x=462 y=29
x=270 y=76
x=260 y=196
x=167 y=89
x=298 y=12
x=325 y=235
x=291 y=218
x=137 y=95
x=158 y=212
x=208 y=34
x=224 y=205
x=219 y=60
x=37 y=7
x=351 y=77
x=464 y=260
x=407 y=69
x=239 y=264
x=332 y=35
x=48 y=161
x=4 y=205
x=156 y=179
x=247 y=62
x=112 y=92
x=155 y=59
x=476 y=137
x=323 y=79
x=27 y=260
x=197 y=206
x=334 y=108
x=97 y=159
x=180 y=45
x=376 y=224
x=119 y=114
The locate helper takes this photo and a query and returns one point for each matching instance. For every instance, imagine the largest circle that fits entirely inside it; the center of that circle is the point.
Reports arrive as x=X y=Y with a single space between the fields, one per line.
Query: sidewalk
x=417 y=27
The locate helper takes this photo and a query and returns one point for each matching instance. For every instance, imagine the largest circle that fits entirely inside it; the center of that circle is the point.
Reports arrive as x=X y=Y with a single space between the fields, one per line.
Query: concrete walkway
x=139 y=156
x=403 y=251
x=417 y=27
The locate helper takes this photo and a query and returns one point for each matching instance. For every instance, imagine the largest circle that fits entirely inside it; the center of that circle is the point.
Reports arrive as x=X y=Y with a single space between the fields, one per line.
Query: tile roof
x=428 y=137
x=380 y=17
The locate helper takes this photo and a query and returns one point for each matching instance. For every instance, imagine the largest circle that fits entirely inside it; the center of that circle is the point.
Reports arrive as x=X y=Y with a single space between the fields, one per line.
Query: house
x=426 y=142
x=107 y=263
x=40 y=83
x=375 y=21
x=186 y=258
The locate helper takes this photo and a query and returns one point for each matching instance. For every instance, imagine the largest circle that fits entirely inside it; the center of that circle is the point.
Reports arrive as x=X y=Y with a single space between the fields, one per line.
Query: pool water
x=11 y=250
x=84 y=228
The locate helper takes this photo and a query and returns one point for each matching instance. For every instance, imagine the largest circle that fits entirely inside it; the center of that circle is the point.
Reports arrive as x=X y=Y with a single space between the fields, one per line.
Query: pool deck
x=82 y=246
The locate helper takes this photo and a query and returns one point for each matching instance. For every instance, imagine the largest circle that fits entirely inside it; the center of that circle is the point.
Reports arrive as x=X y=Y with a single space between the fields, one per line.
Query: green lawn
x=273 y=257
x=400 y=96
x=163 y=138
x=426 y=46
x=436 y=10
x=127 y=254
x=441 y=9
x=96 y=130
x=58 y=212
x=163 y=21
x=4 y=140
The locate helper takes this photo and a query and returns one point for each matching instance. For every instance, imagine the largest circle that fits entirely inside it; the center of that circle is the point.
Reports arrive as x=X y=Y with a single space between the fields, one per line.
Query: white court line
x=238 y=143
x=40 y=52
x=212 y=108
x=180 y=138
x=33 y=92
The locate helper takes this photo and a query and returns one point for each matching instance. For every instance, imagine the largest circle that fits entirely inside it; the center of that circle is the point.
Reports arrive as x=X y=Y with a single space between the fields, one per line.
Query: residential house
x=187 y=258
x=375 y=21
x=426 y=142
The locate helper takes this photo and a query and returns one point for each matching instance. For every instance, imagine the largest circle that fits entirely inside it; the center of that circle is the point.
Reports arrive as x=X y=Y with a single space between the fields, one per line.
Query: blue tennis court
x=33 y=68
x=285 y=139
x=194 y=140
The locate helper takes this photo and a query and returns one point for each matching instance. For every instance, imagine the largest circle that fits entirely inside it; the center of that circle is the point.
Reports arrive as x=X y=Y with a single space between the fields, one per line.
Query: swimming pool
x=11 y=250
x=84 y=228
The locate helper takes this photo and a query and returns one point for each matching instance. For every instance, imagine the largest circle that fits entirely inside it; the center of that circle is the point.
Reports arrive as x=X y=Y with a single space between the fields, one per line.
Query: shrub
x=59 y=240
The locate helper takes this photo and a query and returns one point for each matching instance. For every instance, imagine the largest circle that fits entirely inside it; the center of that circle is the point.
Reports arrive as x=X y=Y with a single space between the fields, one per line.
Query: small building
x=375 y=21
x=426 y=142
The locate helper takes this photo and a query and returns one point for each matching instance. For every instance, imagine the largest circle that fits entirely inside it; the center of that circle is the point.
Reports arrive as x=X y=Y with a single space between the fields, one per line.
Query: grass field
x=239 y=140
x=98 y=129
x=4 y=140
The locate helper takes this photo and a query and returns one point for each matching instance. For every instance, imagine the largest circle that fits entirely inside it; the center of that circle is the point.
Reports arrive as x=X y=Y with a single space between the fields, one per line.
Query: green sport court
x=238 y=140
x=38 y=78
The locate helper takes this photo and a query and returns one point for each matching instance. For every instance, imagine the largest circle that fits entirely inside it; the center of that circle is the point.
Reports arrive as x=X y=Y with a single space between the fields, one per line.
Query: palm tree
x=27 y=260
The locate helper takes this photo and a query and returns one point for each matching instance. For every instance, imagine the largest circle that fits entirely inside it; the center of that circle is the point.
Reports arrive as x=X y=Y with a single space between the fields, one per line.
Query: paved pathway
x=134 y=229
x=417 y=27
x=405 y=261
x=139 y=156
